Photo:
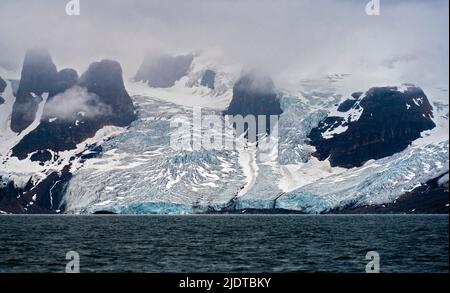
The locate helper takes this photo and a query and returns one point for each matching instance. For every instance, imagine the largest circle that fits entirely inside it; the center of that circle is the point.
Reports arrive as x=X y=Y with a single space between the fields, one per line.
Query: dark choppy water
x=406 y=243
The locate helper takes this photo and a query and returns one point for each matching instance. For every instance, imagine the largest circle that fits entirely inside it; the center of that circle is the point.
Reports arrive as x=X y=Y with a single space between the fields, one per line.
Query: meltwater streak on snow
x=247 y=160
x=21 y=170
x=15 y=138
x=11 y=167
x=373 y=183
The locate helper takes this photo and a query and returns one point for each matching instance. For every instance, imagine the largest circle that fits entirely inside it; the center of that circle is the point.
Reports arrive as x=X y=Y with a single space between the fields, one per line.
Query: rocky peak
x=2 y=89
x=255 y=94
x=38 y=75
x=208 y=78
x=79 y=109
x=379 y=123
x=64 y=79
x=2 y=85
x=163 y=71
x=105 y=79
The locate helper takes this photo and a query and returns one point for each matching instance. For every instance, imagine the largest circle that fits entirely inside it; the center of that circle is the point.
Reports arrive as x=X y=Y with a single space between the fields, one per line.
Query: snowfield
x=138 y=171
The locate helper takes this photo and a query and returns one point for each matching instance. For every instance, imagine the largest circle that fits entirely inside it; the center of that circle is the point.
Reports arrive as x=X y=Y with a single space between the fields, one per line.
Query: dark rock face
x=255 y=95
x=64 y=80
x=46 y=195
x=41 y=156
x=49 y=193
x=208 y=79
x=104 y=81
x=38 y=75
x=389 y=121
x=2 y=89
x=346 y=105
x=93 y=151
x=164 y=71
x=8 y=197
x=2 y=85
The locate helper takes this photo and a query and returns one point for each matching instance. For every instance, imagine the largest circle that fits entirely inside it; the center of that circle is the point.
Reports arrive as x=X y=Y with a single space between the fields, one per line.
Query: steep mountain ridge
x=38 y=75
x=381 y=122
x=107 y=157
x=60 y=130
x=71 y=111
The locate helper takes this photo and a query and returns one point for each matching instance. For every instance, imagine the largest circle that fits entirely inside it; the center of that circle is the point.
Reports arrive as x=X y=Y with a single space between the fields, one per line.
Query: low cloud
x=75 y=103
x=300 y=38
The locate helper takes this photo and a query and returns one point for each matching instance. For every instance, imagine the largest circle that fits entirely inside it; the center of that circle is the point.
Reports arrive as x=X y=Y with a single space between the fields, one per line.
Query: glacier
x=138 y=172
x=139 y=166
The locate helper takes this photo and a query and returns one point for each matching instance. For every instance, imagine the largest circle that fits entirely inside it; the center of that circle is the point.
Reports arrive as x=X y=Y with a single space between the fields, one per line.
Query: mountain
x=208 y=78
x=379 y=123
x=64 y=80
x=104 y=79
x=38 y=75
x=2 y=89
x=2 y=85
x=163 y=71
x=67 y=111
x=98 y=99
x=100 y=143
x=255 y=95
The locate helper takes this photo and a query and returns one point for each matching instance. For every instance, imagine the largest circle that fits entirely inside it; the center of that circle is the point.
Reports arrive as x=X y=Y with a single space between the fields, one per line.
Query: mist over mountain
x=37 y=77
x=380 y=123
x=300 y=38
x=2 y=88
x=163 y=71
x=90 y=106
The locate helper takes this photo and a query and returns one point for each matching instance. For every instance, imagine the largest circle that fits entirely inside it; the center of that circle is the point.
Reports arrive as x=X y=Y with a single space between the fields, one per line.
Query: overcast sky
x=311 y=37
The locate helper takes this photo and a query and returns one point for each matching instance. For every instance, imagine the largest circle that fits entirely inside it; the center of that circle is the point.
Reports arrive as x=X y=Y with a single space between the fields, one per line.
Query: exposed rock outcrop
x=99 y=98
x=379 y=123
x=2 y=89
x=105 y=80
x=8 y=197
x=255 y=94
x=38 y=76
x=2 y=85
x=208 y=79
x=348 y=104
x=164 y=71
x=41 y=197
x=64 y=80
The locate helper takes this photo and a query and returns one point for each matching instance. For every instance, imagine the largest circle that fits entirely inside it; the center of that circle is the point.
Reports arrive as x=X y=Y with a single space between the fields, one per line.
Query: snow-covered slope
x=188 y=90
x=137 y=171
x=140 y=173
